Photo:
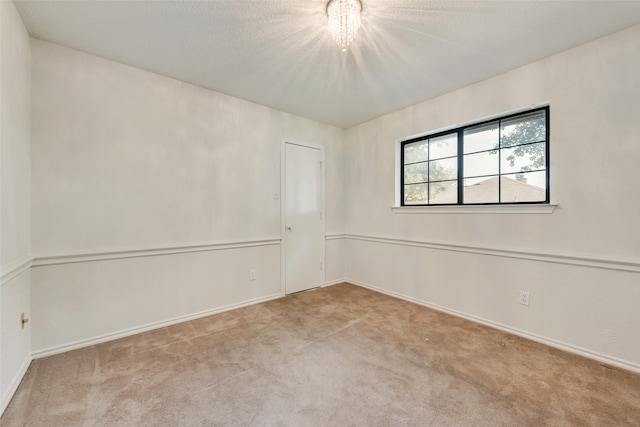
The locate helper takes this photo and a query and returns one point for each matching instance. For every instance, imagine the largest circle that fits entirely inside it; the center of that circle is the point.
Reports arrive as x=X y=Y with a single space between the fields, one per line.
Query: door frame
x=283 y=208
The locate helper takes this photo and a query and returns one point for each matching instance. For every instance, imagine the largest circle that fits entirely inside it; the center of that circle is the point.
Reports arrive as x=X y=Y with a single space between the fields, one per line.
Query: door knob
x=289 y=227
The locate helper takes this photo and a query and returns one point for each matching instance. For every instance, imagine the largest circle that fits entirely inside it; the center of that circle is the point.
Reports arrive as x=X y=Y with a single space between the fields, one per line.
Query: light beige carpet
x=337 y=356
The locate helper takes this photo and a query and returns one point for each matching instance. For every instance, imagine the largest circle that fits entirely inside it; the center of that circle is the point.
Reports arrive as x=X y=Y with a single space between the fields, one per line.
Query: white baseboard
x=609 y=360
x=144 y=328
x=334 y=282
x=13 y=386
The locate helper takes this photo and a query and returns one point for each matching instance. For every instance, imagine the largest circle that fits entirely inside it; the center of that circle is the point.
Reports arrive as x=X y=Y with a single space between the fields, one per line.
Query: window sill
x=476 y=209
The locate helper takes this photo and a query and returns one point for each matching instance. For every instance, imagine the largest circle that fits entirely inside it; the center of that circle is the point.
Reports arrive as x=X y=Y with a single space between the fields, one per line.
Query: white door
x=303 y=218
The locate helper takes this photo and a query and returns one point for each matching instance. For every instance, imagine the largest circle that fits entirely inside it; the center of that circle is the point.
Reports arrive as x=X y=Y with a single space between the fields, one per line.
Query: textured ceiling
x=279 y=53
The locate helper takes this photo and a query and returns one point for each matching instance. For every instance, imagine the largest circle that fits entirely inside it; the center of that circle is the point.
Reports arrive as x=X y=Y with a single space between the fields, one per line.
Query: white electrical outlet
x=524 y=297
x=252 y=274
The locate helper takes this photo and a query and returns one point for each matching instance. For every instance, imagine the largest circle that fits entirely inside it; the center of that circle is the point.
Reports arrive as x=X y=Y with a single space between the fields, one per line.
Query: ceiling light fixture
x=344 y=20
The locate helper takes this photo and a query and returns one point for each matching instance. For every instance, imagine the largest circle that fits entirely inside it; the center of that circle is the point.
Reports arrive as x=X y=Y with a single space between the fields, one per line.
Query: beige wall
x=125 y=159
x=14 y=200
x=468 y=263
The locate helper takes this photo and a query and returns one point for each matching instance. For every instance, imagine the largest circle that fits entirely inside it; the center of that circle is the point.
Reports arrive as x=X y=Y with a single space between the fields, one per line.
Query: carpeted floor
x=337 y=356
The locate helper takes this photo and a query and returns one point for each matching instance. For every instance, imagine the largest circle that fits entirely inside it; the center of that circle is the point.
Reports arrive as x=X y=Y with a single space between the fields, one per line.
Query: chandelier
x=344 y=20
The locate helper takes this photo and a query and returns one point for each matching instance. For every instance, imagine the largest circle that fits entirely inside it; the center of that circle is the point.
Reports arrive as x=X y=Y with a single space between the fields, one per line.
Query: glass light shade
x=344 y=20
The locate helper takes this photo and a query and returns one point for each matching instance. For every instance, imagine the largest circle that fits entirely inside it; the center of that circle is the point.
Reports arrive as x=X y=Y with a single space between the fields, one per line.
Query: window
x=500 y=161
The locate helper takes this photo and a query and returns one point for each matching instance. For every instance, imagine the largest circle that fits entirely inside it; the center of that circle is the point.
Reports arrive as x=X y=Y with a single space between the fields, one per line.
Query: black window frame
x=460 y=161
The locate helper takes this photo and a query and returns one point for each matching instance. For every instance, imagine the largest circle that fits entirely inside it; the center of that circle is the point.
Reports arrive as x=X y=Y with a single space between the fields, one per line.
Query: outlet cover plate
x=524 y=298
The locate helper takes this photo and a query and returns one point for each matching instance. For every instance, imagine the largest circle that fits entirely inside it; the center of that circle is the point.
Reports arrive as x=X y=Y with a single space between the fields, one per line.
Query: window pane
x=416 y=172
x=443 y=146
x=523 y=129
x=481 y=190
x=416 y=194
x=443 y=192
x=481 y=164
x=504 y=160
x=523 y=187
x=416 y=152
x=481 y=138
x=523 y=158
x=441 y=170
